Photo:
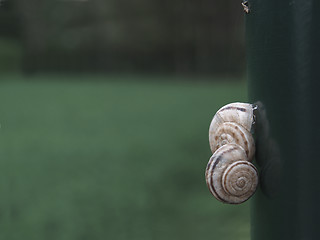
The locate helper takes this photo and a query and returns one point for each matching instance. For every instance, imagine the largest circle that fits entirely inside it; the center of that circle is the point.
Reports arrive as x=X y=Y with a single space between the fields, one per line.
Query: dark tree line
x=180 y=36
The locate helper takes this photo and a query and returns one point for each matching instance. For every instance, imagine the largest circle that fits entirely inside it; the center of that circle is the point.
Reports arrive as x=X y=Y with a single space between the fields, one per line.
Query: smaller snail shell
x=241 y=113
x=230 y=132
x=229 y=176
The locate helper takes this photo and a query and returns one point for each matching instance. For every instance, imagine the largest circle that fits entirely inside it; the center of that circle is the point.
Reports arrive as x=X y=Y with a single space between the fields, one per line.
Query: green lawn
x=84 y=158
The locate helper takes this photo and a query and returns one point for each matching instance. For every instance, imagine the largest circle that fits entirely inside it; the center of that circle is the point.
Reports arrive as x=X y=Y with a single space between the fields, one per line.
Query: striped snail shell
x=232 y=124
x=230 y=132
x=229 y=176
x=241 y=113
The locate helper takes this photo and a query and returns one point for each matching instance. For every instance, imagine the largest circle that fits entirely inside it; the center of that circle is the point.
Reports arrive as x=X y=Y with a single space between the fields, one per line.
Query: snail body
x=230 y=175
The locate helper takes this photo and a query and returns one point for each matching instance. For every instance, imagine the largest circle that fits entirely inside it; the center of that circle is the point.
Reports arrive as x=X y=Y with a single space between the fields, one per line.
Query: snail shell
x=230 y=132
x=232 y=124
x=229 y=176
x=241 y=113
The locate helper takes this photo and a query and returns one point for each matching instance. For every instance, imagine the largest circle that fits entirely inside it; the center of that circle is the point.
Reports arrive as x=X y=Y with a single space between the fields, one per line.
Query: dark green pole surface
x=283 y=55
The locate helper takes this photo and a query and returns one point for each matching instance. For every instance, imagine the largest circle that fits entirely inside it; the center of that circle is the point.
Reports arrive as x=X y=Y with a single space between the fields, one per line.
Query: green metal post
x=283 y=56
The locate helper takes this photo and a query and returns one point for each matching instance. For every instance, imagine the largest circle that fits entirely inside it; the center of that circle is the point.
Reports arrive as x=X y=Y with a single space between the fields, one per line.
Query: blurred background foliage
x=158 y=36
x=104 y=111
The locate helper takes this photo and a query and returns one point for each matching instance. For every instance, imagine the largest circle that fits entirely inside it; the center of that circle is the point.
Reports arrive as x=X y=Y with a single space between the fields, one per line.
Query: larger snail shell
x=229 y=176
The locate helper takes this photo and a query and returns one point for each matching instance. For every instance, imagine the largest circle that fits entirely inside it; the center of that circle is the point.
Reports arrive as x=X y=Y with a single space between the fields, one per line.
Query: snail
x=230 y=175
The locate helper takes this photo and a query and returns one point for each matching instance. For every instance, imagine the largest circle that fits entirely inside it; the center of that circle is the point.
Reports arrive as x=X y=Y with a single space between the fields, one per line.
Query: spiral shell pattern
x=230 y=132
x=229 y=176
x=240 y=179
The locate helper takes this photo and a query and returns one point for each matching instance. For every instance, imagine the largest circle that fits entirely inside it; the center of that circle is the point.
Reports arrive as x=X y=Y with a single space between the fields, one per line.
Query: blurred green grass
x=85 y=158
